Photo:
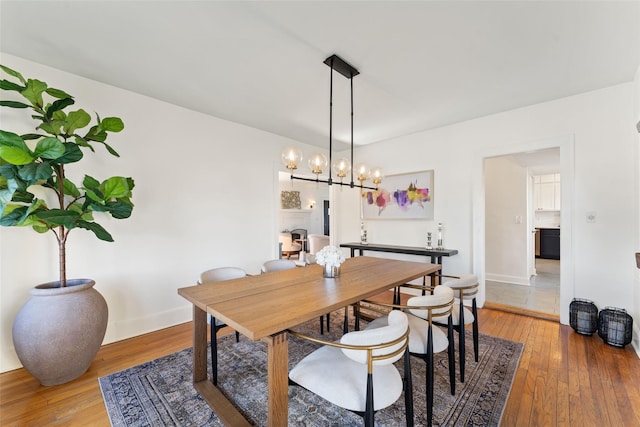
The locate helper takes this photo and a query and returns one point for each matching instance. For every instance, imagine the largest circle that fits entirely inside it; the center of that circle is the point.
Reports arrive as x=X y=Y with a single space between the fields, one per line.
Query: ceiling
x=422 y=64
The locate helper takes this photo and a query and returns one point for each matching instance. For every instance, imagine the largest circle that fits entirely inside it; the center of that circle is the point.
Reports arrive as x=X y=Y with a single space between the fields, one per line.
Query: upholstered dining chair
x=465 y=289
x=357 y=373
x=277 y=265
x=425 y=339
x=317 y=242
x=286 y=264
x=289 y=247
x=218 y=275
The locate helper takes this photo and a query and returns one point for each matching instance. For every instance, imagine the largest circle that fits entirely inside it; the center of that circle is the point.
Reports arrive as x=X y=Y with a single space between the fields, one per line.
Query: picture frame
x=290 y=200
x=400 y=197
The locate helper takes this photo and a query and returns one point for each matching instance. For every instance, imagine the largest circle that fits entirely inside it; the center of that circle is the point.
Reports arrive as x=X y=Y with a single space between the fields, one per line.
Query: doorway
x=521 y=211
x=565 y=145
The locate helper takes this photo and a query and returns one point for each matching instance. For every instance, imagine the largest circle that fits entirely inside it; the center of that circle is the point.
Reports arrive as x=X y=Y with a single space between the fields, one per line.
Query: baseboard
x=521 y=311
x=120 y=330
x=503 y=278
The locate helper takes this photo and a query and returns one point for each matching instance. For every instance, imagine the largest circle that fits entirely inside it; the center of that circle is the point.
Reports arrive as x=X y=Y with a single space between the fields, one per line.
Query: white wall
x=636 y=228
x=601 y=125
x=204 y=197
x=506 y=241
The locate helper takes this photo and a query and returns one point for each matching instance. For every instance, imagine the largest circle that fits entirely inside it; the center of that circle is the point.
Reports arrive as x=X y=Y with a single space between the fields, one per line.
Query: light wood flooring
x=564 y=379
x=541 y=296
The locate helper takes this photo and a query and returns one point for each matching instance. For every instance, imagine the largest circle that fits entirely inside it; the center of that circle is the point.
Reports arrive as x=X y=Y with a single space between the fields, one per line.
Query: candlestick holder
x=440 y=245
x=429 y=245
x=363 y=234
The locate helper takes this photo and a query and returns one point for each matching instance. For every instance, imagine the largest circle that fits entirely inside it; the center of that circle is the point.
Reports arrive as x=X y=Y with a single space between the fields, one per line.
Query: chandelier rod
x=330 y=119
x=347 y=70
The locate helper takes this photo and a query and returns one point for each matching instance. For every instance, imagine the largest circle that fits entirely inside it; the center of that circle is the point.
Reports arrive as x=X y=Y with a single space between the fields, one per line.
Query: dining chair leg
x=237 y=336
x=430 y=373
x=452 y=357
x=461 y=341
x=408 y=389
x=214 y=352
x=476 y=349
x=345 y=326
x=368 y=414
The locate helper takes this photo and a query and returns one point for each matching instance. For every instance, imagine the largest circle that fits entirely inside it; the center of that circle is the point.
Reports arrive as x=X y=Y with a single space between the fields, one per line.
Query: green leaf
x=119 y=209
x=7 y=85
x=13 y=73
x=33 y=92
x=111 y=150
x=12 y=140
x=57 y=93
x=59 y=217
x=71 y=189
x=49 y=148
x=13 y=104
x=76 y=120
x=90 y=182
x=30 y=136
x=13 y=149
x=58 y=105
x=92 y=190
x=83 y=143
x=15 y=156
x=95 y=134
x=72 y=154
x=97 y=229
x=34 y=172
x=21 y=196
x=115 y=187
x=6 y=193
x=112 y=124
x=14 y=215
x=39 y=228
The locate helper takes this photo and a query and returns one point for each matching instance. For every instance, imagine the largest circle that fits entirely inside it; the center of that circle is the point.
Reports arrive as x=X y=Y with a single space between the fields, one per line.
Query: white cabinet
x=547 y=192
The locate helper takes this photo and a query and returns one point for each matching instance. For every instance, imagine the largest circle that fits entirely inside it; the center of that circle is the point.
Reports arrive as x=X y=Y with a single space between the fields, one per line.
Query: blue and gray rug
x=160 y=392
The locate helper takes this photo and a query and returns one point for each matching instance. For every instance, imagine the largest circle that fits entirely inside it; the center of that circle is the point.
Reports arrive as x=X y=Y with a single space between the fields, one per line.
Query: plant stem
x=62 y=233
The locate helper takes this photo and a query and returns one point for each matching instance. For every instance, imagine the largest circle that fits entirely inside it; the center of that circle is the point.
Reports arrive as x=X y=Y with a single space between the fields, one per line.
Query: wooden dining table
x=263 y=307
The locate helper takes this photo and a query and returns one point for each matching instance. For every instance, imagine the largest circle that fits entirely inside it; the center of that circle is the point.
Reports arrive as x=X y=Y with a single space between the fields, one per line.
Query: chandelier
x=292 y=157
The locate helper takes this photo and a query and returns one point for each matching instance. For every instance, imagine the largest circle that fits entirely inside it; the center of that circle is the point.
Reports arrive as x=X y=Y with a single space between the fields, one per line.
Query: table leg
x=278 y=379
x=199 y=345
x=223 y=408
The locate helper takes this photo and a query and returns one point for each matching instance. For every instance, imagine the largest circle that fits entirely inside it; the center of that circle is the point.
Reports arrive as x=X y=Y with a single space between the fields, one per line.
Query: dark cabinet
x=550 y=243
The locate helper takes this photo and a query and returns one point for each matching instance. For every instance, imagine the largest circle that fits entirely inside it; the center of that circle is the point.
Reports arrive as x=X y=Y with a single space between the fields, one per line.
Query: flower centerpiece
x=330 y=258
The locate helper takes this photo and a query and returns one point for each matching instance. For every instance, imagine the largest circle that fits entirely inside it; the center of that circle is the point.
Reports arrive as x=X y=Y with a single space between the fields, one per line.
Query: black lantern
x=616 y=326
x=583 y=316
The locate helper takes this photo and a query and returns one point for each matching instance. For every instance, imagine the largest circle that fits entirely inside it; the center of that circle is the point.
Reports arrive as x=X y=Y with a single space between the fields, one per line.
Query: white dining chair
x=218 y=275
x=465 y=289
x=357 y=373
x=425 y=339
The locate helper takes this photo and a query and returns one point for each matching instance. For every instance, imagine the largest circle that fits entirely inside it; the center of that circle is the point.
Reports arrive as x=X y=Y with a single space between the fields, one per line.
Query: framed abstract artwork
x=402 y=196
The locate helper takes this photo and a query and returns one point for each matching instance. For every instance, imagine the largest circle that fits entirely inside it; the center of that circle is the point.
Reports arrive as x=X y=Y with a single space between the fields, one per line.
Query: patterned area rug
x=160 y=392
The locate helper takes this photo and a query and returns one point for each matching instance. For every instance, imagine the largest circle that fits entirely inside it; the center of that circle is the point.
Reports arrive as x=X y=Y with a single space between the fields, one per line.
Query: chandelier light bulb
x=341 y=168
x=362 y=173
x=291 y=157
x=377 y=176
x=317 y=163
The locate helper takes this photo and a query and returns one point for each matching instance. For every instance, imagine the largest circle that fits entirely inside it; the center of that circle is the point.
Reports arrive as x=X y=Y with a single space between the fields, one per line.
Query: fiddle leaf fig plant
x=33 y=166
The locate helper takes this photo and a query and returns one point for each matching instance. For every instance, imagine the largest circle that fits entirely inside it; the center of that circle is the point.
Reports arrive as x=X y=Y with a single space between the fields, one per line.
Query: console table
x=435 y=254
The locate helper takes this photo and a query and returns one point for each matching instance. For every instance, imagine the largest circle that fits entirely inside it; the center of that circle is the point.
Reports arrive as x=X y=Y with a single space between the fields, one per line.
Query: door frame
x=566 y=145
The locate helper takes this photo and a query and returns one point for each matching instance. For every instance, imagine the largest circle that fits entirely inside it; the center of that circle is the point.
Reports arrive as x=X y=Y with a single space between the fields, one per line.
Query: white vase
x=330 y=271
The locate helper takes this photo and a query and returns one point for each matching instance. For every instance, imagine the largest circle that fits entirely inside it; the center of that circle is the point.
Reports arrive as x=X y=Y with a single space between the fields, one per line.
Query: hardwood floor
x=564 y=379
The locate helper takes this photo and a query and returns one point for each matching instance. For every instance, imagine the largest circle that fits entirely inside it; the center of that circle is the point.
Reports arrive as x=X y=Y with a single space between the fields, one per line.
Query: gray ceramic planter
x=59 y=331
